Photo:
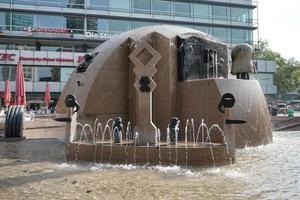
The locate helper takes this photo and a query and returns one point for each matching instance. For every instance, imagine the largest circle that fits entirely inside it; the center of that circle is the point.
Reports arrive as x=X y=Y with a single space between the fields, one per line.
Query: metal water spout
x=174 y=128
x=117 y=130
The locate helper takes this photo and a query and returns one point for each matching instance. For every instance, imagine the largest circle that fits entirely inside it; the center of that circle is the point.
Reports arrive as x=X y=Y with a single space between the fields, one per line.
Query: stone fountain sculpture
x=151 y=76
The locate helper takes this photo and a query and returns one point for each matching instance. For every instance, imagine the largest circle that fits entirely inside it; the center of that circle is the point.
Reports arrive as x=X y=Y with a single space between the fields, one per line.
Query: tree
x=287 y=76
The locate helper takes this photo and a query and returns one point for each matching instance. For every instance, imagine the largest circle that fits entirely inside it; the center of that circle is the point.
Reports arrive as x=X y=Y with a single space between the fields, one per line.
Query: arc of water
x=90 y=131
x=201 y=128
x=214 y=126
x=103 y=131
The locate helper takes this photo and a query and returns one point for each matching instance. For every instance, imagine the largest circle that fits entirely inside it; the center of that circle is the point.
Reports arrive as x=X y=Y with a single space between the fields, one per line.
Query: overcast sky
x=279 y=23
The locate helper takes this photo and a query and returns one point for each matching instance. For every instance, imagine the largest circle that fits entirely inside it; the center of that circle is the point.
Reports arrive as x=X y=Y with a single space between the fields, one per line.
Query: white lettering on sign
x=105 y=36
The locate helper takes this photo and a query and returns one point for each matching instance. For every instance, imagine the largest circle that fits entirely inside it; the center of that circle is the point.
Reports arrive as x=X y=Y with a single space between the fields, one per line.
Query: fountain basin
x=214 y=154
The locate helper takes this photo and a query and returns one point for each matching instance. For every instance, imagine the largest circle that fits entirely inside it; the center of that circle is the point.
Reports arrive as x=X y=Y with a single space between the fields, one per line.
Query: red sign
x=46 y=59
x=12 y=57
x=7 y=56
x=30 y=30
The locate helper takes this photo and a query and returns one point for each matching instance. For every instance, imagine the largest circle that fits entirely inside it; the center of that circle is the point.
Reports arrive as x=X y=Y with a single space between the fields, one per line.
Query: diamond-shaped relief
x=145 y=71
x=151 y=85
x=141 y=47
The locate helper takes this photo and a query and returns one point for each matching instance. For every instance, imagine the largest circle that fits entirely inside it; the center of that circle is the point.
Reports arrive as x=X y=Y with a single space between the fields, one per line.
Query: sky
x=279 y=23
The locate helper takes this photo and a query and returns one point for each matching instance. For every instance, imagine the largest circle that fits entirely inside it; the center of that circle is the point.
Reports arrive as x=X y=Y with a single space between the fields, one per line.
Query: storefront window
x=98 y=4
x=8 y=72
x=238 y=36
x=138 y=24
x=97 y=24
x=47 y=74
x=162 y=7
x=205 y=29
x=26 y=2
x=249 y=36
x=22 y=20
x=116 y=26
x=223 y=34
x=239 y=14
x=182 y=9
x=73 y=4
x=30 y=47
x=49 y=21
x=202 y=11
x=65 y=74
x=141 y=6
x=220 y=13
x=50 y=48
x=54 y=3
x=76 y=24
x=118 y=5
x=28 y=73
x=4 y=21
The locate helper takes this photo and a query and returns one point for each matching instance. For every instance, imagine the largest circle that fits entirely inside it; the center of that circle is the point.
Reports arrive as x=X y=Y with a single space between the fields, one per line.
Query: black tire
x=6 y=121
x=19 y=122
x=10 y=122
x=15 y=121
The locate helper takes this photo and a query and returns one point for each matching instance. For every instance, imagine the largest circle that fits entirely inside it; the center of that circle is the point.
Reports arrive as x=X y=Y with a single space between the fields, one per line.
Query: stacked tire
x=14 y=122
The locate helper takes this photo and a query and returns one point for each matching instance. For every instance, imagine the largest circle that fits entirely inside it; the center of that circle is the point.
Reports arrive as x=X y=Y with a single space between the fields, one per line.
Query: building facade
x=265 y=76
x=51 y=36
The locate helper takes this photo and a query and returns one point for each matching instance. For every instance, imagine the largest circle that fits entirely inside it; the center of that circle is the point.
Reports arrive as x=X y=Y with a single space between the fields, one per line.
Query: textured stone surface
x=108 y=88
x=145 y=59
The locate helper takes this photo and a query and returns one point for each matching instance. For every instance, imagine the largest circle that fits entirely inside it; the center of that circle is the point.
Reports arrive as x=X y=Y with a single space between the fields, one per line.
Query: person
x=274 y=110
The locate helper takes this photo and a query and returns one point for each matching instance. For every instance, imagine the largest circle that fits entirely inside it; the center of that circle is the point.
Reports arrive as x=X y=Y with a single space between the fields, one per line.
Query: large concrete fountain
x=145 y=78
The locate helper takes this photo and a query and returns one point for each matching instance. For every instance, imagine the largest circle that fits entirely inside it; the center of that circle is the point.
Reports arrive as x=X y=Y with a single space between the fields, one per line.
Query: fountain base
x=201 y=154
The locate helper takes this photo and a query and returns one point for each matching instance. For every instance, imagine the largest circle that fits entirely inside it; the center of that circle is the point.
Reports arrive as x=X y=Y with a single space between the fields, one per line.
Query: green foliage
x=287 y=76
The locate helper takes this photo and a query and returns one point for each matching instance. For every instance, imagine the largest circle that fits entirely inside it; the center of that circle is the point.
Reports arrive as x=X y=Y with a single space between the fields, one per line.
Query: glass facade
x=231 y=23
x=118 y=5
x=157 y=7
x=141 y=6
x=202 y=11
x=75 y=23
x=47 y=74
x=49 y=21
x=182 y=9
x=97 y=4
x=20 y=21
x=4 y=21
x=220 y=13
x=97 y=24
x=162 y=7
x=8 y=72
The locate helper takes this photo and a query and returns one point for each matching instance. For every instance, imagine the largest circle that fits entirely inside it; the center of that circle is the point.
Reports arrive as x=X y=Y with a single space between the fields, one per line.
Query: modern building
x=51 y=36
x=265 y=76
